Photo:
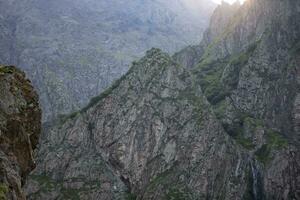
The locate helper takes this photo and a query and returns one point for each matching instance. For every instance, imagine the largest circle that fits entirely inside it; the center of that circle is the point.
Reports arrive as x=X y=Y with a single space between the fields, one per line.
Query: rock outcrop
x=153 y=128
x=219 y=120
x=249 y=72
x=20 y=126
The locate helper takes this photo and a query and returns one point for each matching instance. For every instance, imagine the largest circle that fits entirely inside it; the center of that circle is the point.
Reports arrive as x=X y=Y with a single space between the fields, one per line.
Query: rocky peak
x=20 y=126
x=153 y=129
x=221 y=125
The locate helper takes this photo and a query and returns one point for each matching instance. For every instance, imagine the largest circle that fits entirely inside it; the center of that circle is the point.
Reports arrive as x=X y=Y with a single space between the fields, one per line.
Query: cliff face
x=20 y=124
x=153 y=128
x=73 y=50
x=219 y=120
x=249 y=72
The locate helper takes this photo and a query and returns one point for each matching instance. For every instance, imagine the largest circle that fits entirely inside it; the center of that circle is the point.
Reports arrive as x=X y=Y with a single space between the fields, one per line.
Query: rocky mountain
x=73 y=49
x=249 y=71
x=20 y=124
x=219 y=120
x=138 y=138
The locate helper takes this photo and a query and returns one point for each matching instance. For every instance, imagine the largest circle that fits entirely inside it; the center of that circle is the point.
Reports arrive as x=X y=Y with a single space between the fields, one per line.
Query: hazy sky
x=229 y=1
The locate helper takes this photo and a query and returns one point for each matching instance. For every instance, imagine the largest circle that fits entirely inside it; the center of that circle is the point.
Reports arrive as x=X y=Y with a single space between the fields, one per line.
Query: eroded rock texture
x=219 y=120
x=152 y=128
x=249 y=72
x=20 y=124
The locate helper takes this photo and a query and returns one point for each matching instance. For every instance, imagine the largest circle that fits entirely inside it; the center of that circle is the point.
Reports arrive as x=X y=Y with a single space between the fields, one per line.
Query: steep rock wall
x=20 y=126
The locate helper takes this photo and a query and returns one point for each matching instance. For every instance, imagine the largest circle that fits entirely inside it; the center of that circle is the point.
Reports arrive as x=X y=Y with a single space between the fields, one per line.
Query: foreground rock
x=20 y=124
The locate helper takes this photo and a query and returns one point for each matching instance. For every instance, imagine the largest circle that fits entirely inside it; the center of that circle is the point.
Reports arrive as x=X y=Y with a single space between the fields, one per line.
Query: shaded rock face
x=250 y=74
x=20 y=124
x=219 y=120
x=73 y=50
x=151 y=131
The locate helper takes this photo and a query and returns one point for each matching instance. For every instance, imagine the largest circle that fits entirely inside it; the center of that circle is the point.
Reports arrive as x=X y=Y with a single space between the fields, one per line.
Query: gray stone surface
x=20 y=126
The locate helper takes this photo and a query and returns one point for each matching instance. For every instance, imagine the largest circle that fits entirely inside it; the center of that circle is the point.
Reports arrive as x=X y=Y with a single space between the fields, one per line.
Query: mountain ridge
x=218 y=120
x=72 y=50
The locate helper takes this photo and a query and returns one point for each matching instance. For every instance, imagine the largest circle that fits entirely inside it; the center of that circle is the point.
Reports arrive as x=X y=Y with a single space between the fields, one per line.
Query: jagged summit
x=147 y=128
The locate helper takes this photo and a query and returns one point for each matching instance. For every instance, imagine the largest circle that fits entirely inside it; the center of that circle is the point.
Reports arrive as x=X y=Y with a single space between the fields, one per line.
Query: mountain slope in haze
x=20 y=127
x=219 y=120
x=149 y=128
x=72 y=50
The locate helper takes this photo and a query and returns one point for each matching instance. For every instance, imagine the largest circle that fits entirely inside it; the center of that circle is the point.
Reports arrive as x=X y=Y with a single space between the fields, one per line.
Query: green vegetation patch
x=3 y=191
x=45 y=182
x=219 y=77
x=7 y=69
x=72 y=194
x=220 y=109
x=244 y=122
x=175 y=193
x=130 y=196
x=253 y=122
x=160 y=179
x=275 y=141
x=263 y=154
x=236 y=63
x=238 y=128
x=169 y=182
x=245 y=142
x=201 y=110
x=209 y=75
x=199 y=103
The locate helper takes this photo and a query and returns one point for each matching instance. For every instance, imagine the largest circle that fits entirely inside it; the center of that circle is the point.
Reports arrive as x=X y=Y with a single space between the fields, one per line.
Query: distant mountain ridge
x=72 y=50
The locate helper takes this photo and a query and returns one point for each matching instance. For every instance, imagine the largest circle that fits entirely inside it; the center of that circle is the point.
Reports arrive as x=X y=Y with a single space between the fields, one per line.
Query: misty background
x=73 y=49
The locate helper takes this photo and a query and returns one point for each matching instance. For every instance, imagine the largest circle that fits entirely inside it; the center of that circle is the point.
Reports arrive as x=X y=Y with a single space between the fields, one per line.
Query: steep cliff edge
x=20 y=126
x=249 y=71
x=155 y=132
x=219 y=120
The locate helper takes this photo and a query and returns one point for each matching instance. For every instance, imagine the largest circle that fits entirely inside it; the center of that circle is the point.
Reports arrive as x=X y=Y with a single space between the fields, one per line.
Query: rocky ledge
x=20 y=126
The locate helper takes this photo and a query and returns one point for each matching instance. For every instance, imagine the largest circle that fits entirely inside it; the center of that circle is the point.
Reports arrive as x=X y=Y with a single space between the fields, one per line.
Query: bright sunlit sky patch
x=229 y=1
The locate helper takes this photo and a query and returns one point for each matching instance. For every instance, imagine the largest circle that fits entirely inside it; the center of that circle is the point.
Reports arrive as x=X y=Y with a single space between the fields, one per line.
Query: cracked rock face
x=250 y=74
x=20 y=124
x=219 y=120
x=152 y=129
